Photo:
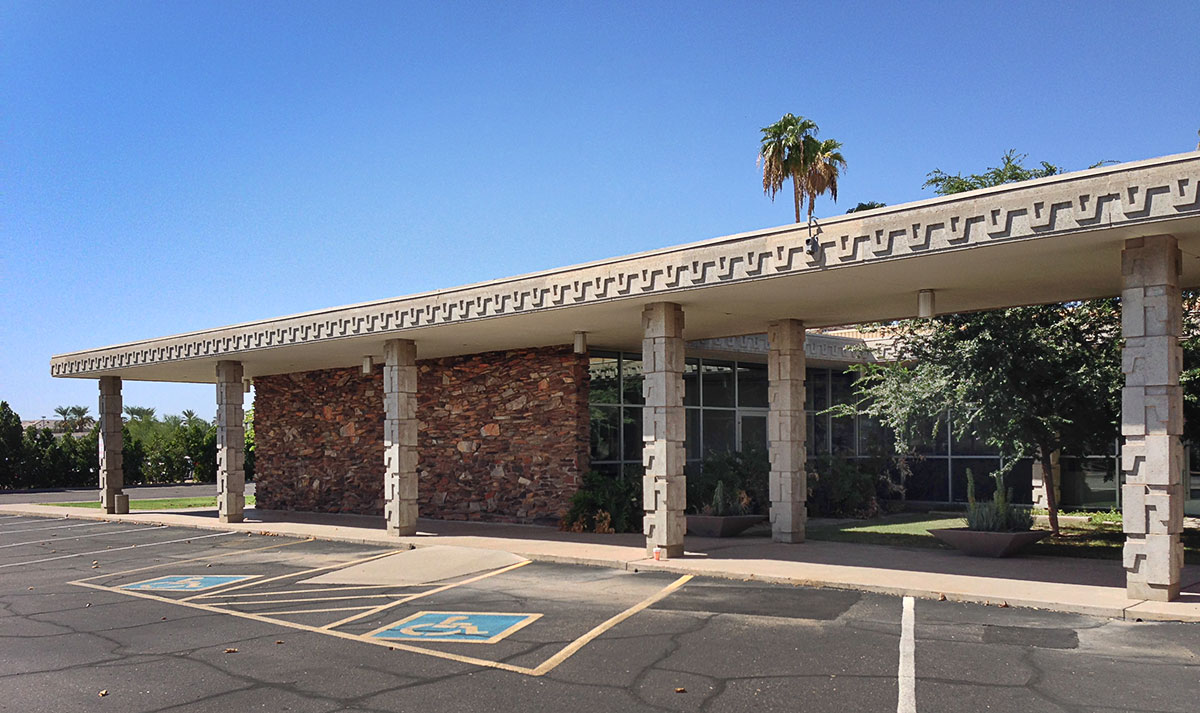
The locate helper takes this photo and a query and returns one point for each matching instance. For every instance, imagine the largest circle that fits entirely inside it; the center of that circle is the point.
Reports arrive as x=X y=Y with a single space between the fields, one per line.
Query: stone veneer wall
x=504 y=436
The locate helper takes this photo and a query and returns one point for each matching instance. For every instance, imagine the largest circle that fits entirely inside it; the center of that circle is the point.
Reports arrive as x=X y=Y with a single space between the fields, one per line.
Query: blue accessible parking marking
x=461 y=627
x=188 y=582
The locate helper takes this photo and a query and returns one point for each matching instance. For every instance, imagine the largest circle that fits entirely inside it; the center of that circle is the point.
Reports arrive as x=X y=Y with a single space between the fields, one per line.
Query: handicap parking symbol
x=188 y=582
x=461 y=627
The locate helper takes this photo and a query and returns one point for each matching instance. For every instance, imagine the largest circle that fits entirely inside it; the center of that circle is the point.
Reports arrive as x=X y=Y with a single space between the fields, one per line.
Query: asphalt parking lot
x=167 y=618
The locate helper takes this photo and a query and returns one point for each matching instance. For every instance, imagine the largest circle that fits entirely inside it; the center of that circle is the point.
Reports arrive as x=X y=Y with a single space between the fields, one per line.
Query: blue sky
x=173 y=166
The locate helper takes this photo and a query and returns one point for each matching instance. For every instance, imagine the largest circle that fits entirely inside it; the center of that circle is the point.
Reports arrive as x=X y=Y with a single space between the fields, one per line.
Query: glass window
x=810 y=436
x=873 y=438
x=820 y=434
x=842 y=387
x=752 y=385
x=631 y=424
x=981 y=469
x=606 y=432
x=842 y=434
x=718 y=386
x=929 y=481
x=720 y=431
x=692 y=445
x=604 y=380
x=816 y=389
x=631 y=380
x=691 y=382
x=754 y=431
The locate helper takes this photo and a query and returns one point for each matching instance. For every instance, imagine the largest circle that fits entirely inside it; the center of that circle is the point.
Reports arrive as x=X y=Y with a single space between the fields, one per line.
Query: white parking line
x=117 y=549
x=56 y=527
x=80 y=537
x=907 y=700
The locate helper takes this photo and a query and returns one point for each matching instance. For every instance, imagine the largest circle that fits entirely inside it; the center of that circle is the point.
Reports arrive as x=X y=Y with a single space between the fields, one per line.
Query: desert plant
x=998 y=514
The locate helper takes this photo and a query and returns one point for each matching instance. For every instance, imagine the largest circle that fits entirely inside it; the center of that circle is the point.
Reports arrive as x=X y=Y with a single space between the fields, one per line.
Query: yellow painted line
x=322 y=589
x=337 y=565
x=570 y=649
x=426 y=593
x=308 y=599
x=312 y=611
x=192 y=559
x=318 y=630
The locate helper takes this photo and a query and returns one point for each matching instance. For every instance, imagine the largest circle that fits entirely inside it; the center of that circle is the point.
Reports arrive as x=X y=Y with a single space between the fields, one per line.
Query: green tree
x=12 y=454
x=1027 y=380
x=867 y=205
x=825 y=165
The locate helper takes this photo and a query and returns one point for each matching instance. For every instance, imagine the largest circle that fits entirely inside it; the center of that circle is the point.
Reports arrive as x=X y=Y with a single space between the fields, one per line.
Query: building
x=476 y=400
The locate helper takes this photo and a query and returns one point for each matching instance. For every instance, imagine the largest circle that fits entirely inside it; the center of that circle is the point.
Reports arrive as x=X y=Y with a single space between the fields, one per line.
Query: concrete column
x=1039 y=481
x=664 y=488
x=112 y=473
x=231 y=442
x=400 y=436
x=785 y=429
x=1152 y=417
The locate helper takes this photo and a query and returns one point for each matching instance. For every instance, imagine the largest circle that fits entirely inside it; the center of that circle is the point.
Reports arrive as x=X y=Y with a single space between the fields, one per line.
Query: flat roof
x=1047 y=240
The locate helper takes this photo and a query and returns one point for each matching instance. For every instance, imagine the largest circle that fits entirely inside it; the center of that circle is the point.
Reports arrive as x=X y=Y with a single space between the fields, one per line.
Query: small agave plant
x=998 y=514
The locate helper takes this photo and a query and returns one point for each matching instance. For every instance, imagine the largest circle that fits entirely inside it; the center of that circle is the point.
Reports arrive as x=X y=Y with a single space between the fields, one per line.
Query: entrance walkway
x=1086 y=586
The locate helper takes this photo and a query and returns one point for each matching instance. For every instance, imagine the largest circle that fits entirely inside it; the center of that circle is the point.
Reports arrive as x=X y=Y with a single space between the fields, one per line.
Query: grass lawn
x=1101 y=540
x=160 y=504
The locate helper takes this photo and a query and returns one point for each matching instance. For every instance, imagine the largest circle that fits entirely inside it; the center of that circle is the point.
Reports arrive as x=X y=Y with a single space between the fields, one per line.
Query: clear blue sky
x=168 y=166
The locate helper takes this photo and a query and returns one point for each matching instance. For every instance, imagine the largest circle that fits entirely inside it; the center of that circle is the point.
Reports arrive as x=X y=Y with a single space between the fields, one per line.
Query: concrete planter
x=721 y=525
x=987 y=544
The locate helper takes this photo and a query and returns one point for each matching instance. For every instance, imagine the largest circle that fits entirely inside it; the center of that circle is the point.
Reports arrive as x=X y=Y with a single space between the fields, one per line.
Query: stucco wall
x=503 y=436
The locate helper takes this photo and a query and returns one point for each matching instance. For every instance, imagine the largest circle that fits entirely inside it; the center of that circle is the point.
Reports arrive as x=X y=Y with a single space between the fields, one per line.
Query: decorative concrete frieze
x=112 y=473
x=786 y=429
x=502 y=436
x=400 y=436
x=231 y=443
x=1113 y=196
x=664 y=487
x=1152 y=458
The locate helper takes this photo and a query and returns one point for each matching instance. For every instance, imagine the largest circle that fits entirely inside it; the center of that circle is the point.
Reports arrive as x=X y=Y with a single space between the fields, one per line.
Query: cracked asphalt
x=711 y=645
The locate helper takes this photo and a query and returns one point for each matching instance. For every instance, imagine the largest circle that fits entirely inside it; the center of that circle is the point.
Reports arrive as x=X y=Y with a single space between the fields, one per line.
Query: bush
x=605 y=503
x=997 y=515
x=840 y=487
x=731 y=483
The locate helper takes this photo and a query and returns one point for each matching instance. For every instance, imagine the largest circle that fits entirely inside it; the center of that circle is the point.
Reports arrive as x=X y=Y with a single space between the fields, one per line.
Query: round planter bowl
x=721 y=525
x=988 y=544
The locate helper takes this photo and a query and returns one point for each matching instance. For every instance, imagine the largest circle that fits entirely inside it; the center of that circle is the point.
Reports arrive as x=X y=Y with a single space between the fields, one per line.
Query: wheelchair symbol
x=464 y=627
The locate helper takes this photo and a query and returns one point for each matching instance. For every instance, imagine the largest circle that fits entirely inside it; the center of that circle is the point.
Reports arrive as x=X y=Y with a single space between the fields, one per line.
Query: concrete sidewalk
x=1086 y=586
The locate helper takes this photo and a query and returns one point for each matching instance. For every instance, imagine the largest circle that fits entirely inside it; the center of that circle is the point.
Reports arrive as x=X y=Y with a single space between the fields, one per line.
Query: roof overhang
x=1048 y=240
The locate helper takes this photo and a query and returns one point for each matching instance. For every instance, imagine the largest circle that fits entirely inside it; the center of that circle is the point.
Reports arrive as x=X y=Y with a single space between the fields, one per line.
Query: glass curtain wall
x=726 y=405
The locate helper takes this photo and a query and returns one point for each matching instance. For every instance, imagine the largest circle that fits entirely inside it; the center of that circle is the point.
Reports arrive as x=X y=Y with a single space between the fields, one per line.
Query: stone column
x=664 y=489
x=785 y=429
x=400 y=436
x=1039 y=481
x=112 y=473
x=231 y=443
x=1152 y=417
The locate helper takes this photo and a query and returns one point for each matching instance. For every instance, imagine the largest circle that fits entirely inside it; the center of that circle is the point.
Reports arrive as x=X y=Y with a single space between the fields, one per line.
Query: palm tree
x=64 y=418
x=82 y=419
x=191 y=419
x=825 y=164
x=781 y=155
x=139 y=413
x=866 y=205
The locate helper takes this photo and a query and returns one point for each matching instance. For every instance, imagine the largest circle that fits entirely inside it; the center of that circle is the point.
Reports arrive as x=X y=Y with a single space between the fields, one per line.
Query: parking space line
x=435 y=590
x=82 y=582
x=305 y=627
x=570 y=649
x=312 y=611
x=9 y=517
x=338 y=565
x=347 y=588
x=309 y=599
x=56 y=527
x=80 y=537
x=113 y=549
x=906 y=701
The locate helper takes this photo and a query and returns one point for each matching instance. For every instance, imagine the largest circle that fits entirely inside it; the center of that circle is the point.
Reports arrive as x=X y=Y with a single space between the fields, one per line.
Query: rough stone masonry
x=503 y=436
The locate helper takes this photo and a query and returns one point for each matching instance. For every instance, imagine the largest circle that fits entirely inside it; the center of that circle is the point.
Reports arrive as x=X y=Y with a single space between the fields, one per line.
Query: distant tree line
x=170 y=449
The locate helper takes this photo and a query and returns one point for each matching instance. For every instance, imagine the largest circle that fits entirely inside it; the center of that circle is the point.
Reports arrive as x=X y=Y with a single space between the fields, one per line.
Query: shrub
x=840 y=487
x=742 y=477
x=605 y=503
x=997 y=515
